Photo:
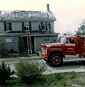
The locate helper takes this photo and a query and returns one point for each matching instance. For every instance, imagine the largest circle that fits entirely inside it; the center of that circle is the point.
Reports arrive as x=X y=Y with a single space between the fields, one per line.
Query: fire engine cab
x=53 y=53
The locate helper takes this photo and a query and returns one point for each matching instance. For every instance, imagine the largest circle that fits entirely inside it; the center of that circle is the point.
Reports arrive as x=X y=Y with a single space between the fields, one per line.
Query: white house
x=13 y=24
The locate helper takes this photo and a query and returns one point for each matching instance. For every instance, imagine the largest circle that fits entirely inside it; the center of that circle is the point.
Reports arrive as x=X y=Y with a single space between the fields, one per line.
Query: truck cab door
x=70 y=46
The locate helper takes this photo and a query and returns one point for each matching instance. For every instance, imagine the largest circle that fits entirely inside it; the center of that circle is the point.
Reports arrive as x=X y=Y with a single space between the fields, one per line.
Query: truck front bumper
x=44 y=53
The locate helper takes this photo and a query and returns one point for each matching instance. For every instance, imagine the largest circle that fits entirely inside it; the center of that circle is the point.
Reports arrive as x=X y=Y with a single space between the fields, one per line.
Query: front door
x=70 y=46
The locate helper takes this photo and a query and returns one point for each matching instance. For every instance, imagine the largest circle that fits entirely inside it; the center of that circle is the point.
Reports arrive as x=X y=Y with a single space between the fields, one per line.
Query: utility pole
x=28 y=41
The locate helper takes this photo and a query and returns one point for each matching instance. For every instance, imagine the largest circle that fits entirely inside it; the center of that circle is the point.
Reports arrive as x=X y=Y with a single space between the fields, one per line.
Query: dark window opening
x=7 y=26
x=45 y=27
x=23 y=26
x=4 y=26
x=32 y=42
x=48 y=26
x=26 y=26
x=42 y=27
x=70 y=41
x=30 y=26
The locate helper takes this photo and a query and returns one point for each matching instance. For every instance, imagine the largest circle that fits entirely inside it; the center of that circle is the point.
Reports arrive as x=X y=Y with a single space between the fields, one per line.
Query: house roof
x=19 y=15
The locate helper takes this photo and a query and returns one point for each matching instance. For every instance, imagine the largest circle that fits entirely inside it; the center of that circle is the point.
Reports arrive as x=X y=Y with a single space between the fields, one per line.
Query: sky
x=69 y=13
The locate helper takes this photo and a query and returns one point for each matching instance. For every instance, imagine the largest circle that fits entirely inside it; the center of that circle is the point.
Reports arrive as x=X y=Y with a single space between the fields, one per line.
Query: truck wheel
x=55 y=60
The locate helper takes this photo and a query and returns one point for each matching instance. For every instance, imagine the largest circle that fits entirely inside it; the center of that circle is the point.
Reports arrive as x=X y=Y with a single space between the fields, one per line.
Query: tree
x=81 y=30
x=5 y=73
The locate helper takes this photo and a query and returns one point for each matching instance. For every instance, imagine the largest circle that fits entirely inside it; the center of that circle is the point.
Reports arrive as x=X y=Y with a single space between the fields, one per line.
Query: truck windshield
x=62 y=40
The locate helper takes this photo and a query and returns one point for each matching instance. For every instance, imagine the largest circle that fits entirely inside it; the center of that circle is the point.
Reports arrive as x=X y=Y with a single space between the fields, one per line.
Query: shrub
x=28 y=72
x=5 y=73
x=12 y=82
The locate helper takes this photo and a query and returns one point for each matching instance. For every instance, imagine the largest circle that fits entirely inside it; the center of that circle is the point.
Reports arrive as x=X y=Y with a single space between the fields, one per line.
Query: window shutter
x=10 y=26
x=30 y=26
x=22 y=26
x=4 y=26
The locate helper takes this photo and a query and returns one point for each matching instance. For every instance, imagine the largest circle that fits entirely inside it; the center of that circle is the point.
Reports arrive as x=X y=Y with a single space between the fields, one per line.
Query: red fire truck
x=53 y=53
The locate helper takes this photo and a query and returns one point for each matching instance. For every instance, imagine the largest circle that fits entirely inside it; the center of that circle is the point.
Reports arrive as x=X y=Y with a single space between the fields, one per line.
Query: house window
x=42 y=27
x=48 y=26
x=30 y=26
x=7 y=26
x=26 y=24
x=45 y=27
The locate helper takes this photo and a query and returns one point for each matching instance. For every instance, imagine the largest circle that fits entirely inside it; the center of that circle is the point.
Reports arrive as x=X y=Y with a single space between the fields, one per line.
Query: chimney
x=48 y=8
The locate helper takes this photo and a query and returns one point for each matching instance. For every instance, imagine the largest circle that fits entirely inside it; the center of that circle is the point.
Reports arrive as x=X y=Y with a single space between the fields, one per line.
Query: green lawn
x=55 y=80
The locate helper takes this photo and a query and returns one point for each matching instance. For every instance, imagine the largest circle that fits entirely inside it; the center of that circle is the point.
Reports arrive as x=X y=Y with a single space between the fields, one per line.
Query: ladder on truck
x=29 y=46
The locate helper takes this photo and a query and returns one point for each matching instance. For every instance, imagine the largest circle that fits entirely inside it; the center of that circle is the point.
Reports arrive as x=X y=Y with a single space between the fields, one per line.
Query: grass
x=55 y=80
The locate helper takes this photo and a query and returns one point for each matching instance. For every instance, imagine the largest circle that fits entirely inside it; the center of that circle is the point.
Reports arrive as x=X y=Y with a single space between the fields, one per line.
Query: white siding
x=52 y=27
x=1 y=27
x=42 y=40
x=16 y=26
x=12 y=43
x=35 y=26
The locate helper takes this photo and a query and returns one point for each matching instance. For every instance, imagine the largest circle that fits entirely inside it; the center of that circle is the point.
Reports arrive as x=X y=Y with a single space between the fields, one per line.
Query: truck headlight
x=48 y=46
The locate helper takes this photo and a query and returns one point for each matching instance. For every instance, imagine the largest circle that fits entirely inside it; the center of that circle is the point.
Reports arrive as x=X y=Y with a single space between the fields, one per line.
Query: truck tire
x=55 y=60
